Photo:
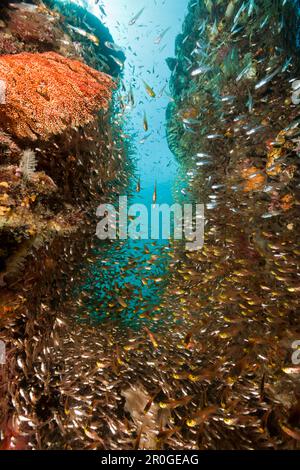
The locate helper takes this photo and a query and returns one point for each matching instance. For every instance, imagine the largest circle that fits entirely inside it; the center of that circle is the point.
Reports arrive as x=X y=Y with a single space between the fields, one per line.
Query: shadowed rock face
x=47 y=93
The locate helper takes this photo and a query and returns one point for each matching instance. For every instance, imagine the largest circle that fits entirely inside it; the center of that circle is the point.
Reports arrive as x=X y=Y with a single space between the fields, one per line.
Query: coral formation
x=90 y=36
x=31 y=25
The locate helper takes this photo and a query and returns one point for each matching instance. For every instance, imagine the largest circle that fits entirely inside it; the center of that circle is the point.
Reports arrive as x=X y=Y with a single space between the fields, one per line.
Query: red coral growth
x=31 y=26
x=47 y=93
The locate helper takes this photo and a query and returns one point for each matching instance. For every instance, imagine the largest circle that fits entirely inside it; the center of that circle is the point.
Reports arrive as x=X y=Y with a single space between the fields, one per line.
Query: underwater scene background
x=143 y=344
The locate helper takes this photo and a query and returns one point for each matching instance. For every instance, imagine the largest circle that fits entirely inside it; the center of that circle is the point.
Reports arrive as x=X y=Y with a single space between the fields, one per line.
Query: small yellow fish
x=291 y=432
x=93 y=38
x=82 y=32
x=122 y=302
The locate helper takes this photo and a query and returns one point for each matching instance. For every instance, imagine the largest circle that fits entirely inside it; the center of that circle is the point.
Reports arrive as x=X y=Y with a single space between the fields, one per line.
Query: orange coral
x=255 y=179
x=48 y=93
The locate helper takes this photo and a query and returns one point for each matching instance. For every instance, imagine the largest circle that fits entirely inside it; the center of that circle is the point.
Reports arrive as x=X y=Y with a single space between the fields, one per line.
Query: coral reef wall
x=96 y=46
